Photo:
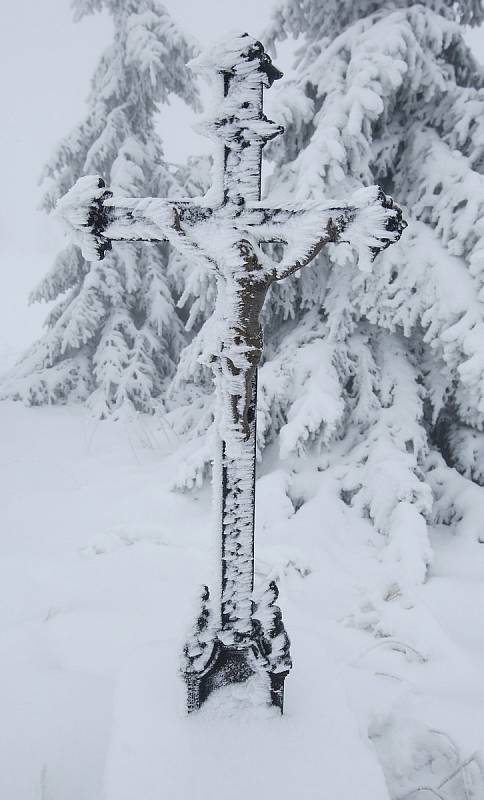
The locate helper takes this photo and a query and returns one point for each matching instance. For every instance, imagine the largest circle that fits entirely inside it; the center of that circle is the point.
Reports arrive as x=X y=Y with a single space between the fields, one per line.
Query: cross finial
x=237 y=122
x=239 y=54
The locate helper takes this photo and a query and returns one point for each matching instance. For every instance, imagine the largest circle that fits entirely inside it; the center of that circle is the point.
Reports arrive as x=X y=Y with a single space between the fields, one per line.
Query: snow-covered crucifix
x=229 y=229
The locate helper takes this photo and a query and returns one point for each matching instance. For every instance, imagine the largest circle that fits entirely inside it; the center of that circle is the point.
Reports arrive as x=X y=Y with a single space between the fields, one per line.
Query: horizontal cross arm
x=95 y=218
x=151 y=219
x=369 y=223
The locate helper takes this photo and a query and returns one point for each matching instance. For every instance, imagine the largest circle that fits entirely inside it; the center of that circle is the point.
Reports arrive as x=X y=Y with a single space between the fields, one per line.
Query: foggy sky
x=46 y=62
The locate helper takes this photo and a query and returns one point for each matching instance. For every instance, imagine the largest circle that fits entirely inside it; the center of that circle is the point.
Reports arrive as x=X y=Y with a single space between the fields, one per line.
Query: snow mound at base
x=314 y=750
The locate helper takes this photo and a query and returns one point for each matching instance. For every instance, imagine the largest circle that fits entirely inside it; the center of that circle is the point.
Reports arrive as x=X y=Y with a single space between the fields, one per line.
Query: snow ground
x=100 y=565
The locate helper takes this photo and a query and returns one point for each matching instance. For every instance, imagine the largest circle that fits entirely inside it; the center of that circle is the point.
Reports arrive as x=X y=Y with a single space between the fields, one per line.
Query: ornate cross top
x=239 y=640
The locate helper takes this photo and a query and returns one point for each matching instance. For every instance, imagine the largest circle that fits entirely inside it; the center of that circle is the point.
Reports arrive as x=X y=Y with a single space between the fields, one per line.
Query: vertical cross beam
x=241 y=130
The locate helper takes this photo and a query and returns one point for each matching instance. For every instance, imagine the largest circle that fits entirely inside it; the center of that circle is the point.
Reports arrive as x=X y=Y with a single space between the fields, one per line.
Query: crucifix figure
x=236 y=639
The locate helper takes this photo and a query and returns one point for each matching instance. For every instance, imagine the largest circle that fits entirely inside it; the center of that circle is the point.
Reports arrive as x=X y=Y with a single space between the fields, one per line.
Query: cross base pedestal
x=216 y=657
x=232 y=665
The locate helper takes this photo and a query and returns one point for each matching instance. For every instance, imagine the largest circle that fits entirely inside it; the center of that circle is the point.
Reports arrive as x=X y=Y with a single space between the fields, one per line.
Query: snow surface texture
x=95 y=594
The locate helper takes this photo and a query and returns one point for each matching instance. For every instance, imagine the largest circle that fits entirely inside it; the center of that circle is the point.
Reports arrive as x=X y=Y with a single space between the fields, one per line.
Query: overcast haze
x=46 y=65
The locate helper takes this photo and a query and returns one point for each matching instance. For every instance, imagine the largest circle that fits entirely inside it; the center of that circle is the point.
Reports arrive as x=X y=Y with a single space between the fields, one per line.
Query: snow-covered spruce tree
x=114 y=335
x=383 y=371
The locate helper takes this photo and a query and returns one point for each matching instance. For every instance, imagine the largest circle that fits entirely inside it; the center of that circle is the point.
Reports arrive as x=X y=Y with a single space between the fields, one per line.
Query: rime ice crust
x=366 y=224
x=84 y=214
x=240 y=55
x=225 y=230
x=236 y=121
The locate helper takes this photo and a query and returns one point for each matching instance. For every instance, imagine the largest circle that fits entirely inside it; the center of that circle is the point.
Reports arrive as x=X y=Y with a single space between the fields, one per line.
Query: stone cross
x=235 y=640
